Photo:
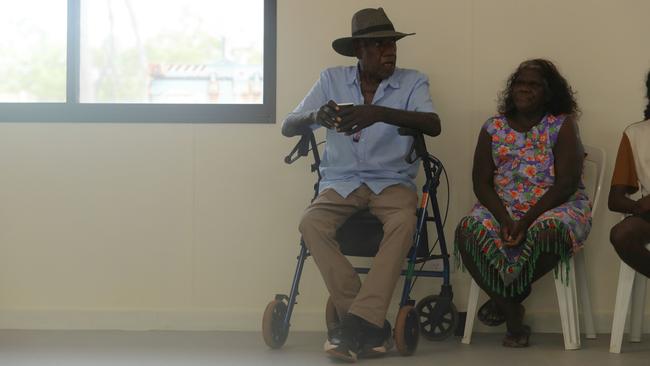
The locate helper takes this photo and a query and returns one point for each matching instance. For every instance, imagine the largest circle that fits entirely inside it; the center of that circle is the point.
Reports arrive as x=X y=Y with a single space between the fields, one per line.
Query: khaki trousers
x=395 y=207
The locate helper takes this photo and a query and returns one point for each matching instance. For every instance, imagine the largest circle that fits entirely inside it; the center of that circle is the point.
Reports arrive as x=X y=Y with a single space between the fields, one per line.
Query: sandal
x=517 y=340
x=490 y=314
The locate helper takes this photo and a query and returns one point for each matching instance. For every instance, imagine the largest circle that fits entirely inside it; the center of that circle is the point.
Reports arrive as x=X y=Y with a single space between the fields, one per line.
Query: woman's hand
x=506 y=228
x=517 y=234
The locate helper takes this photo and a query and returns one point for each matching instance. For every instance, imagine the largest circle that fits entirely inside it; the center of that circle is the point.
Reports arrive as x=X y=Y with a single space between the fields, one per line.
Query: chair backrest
x=593 y=174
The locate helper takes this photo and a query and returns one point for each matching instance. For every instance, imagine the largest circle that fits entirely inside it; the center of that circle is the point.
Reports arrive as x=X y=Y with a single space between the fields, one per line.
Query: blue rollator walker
x=435 y=316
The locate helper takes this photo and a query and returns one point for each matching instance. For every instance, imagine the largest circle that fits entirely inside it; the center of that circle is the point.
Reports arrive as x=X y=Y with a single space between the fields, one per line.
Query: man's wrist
x=313 y=115
x=382 y=114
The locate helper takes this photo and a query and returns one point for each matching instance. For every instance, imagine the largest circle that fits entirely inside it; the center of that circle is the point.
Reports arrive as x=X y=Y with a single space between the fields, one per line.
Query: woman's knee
x=620 y=235
x=554 y=234
x=546 y=262
x=550 y=259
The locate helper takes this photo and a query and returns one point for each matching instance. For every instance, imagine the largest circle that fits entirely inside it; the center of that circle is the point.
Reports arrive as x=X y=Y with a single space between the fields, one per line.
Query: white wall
x=180 y=226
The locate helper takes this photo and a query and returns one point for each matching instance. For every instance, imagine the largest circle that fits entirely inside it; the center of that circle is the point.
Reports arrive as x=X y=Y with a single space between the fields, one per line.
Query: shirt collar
x=353 y=77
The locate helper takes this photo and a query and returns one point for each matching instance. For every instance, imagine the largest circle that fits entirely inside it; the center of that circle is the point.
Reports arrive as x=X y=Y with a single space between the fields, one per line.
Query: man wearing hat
x=363 y=167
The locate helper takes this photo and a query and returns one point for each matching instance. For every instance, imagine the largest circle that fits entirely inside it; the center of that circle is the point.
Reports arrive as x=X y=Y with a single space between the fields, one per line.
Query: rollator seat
x=360 y=235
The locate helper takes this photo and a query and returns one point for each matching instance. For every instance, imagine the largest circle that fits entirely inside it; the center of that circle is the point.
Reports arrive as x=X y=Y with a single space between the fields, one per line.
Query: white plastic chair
x=631 y=285
x=567 y=294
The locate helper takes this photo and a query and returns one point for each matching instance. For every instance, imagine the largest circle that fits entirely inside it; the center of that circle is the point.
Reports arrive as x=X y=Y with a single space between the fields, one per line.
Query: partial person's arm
x=618 y=201
x=569 y=156
x=626 y=182
x=298 y=123
x=483 y=181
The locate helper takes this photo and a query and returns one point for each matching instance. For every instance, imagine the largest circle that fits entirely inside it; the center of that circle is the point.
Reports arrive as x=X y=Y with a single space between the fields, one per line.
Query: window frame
x=74 y=111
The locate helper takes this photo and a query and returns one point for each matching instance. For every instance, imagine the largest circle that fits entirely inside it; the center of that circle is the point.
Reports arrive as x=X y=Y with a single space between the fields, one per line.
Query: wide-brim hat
x=367 y=23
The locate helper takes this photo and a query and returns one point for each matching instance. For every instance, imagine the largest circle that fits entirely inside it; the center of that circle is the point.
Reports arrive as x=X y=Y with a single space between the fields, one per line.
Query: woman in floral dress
x=532 y=211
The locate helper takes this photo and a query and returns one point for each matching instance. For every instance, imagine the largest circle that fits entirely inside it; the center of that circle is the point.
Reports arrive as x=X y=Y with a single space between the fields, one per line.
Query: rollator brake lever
x=301 y=149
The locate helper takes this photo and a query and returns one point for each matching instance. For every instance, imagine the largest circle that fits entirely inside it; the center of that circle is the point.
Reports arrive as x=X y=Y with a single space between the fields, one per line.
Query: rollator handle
x=418 y=147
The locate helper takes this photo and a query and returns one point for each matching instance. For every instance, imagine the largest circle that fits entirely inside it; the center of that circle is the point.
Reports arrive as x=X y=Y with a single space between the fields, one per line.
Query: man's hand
x=356 y=118
x=326 y=115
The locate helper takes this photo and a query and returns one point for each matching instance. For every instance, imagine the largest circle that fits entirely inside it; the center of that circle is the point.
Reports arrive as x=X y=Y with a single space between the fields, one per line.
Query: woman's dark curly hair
x=647 y=94
x=559 y=95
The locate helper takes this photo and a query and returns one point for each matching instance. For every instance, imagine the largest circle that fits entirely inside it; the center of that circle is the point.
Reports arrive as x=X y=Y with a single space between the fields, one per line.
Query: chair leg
x=623 y=293
x=472 y=305
x=583 y=293
x=568 y=303
x=637 y=306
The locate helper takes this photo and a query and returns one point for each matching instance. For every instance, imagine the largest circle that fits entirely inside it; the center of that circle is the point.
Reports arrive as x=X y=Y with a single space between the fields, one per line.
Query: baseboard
x=549 y=322
x=144 y=319
x=223 y=320
x=130 y=319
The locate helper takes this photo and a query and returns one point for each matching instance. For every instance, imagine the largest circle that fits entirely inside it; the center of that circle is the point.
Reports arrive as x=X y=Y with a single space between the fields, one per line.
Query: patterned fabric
x=524 y=172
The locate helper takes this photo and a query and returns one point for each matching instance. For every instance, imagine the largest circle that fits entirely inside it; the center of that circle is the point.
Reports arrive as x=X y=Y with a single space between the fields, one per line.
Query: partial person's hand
x=518 y=234
x=354 y=119
x=643 y=205
x=326 y=115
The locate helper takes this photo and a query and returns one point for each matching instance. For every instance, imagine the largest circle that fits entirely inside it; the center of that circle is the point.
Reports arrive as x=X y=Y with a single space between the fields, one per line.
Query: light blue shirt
x=377 y=159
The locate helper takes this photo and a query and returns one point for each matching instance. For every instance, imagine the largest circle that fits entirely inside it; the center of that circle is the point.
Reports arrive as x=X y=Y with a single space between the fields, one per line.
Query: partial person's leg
x=318 y=227
x=629 y=237
x=395 y=207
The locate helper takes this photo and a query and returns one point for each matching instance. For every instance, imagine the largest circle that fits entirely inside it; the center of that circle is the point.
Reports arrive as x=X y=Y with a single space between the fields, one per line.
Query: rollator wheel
x=273 y=330
x=438 y=317
x=407 y=330
x=331 y=316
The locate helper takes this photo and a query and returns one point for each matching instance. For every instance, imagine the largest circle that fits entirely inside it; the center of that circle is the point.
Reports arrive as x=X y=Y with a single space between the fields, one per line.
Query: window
x=33 y=49
x=138 y=61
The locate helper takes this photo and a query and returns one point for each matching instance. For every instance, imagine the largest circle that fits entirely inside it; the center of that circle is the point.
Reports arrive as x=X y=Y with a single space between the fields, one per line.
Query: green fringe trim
x=490 y=261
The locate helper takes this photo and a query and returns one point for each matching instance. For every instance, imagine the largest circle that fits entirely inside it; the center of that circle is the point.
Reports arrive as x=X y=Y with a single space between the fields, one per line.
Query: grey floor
x=115 y=348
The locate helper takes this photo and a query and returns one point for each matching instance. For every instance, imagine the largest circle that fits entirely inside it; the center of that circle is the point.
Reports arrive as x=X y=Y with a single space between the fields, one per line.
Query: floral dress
x=524 y=172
